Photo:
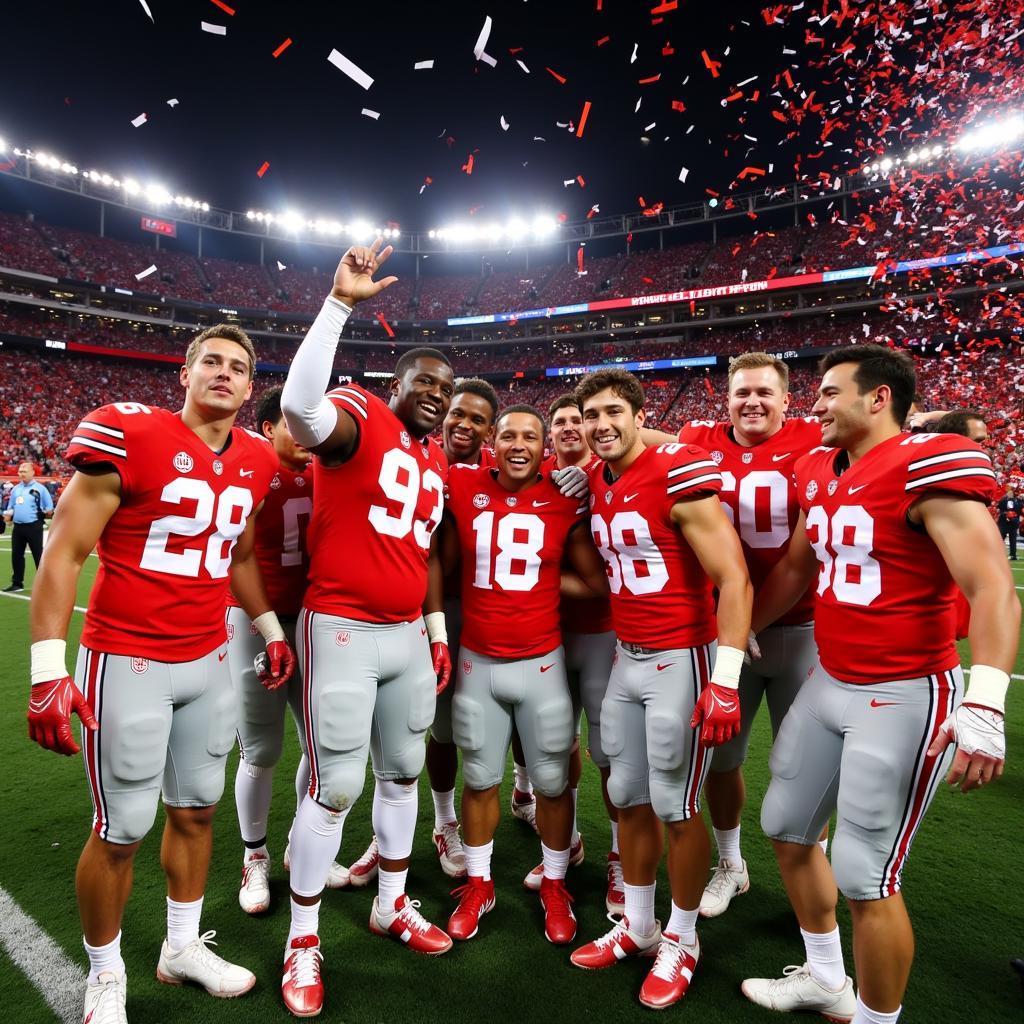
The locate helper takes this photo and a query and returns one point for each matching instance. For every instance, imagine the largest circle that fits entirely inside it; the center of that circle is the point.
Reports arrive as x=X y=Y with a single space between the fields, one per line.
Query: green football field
x=961 y=884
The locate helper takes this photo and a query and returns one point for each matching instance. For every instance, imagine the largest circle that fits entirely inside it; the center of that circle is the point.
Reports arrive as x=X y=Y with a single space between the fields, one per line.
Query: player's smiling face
x=610 y=425
x=567 y=434
x=518 y=448
x=844 y=412
x=422 y=397
x=218 y=381
x=467 y=426
x=758 y=401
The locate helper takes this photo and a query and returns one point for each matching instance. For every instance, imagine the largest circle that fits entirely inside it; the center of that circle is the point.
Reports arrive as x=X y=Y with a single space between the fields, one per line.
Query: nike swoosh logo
x=630 y=497
x=779 y=458
x=544 y=668
x=854 y=490
x=541 y=504
x=222 y=656
x=883 y=703
x=246 y=472
x=661 y=668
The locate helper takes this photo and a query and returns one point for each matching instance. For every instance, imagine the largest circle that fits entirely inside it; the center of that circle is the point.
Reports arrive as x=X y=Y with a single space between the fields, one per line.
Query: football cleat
x=616 y=945
x=105 y=999
x=615 y=896
x=337 y=876
x=525 y=810
x=449 y=850
x=197 y=963
x=535 y=876
x=364 y=870
x=476 y=898
x=559 y=920
x=670 y=977
x=254 y=894
x=302 y=987
x=408 y=925
x=727 y=881
x=798 y=989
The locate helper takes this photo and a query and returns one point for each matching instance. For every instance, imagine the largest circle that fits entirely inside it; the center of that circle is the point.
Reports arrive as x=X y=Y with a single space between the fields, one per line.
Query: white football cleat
x=254 y=894
x=727 y=881
x=525 y=811
x=798 y=989
x=535 y=876
x=449 y=850
x=105 y=999
x=337 y=877
x=198 y=963
x=615 y=895
x=364 y=870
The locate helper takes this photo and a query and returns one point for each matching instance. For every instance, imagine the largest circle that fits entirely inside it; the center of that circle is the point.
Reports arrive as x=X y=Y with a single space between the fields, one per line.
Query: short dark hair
x=480 y=388
x=878 y=365
x=408 y=358
x=956 y=422
x=622 y=383
x=229 y=332
x=566 y=401
x=268 y=409
x=522 y=407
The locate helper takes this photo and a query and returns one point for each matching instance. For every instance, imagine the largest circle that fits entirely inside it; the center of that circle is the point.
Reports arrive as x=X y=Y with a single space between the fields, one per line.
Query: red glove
x=49 y=714
x=442 y=664
x=718 y=707
x=275 y=666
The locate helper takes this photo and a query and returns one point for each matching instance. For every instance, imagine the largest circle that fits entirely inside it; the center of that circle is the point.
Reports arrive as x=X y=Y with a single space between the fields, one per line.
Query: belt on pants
x=637 y=649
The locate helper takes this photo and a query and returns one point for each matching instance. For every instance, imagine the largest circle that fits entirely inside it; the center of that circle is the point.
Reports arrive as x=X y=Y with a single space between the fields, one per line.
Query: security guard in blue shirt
x=27 y=506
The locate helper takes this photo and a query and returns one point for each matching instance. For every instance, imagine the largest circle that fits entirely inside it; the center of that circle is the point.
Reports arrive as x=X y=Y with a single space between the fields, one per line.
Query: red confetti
x=580 y=181
x=264 y=167
x=665 y=7
x=468 y=165
x=603 y=40
x=779 y=116
x=647 y=81
x=711 y=65
x=667 y=50
x=678 y=105
x=223 y=6
x=555 y=74
x=387 y=327
x=284 y=46
x=752 y=172
x=583 y=119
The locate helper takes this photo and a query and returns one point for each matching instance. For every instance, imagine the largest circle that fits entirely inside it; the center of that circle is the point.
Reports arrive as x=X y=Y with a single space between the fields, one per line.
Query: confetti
x=583 y=119
x=151 y=269
x=380 y=316
x=648 y=81
x=665 y=7
x=345 y=66
x=650 y=126
x=366 y=112
x=523 y=66
x=468 y=165
x=281 y=266
x=264 y=167
x=282 y=47
x=145 y=7
x=603 y=40
x=426 y=182
x=214 y=30
x=481 y=40
x=423 y=65
x=223 y=6
x=632 y=56
x=711 y=65
x=138 y=122
x=554 y=74
x=504 y=123
x=683 y=173
x=172 y=103
x=678 y=105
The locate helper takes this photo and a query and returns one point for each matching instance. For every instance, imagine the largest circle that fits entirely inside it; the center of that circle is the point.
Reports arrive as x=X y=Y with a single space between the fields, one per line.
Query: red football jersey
x=373 y=517
x=487 y=460
x=511 y=546
x=886 y=603
x=759 y=495
x=661 y=596
x=281 y=548
x=165 y=554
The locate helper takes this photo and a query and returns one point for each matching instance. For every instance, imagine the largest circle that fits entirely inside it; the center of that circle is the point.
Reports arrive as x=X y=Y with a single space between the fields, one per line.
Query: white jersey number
x=633 y=559
x=229 y=512
x=291 y=553
x=517 y=561
x=765 y=484
x=844 y=548
x=401 y=482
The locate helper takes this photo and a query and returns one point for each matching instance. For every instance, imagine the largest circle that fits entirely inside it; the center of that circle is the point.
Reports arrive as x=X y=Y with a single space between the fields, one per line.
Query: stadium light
x=131 y=186
x=3 y=145
x=290 y=220
x=543 y=226
x=994 y=135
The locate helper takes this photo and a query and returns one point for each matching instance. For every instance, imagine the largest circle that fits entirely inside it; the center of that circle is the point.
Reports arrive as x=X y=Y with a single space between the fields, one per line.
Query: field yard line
x=26 y=597
x=59 y=980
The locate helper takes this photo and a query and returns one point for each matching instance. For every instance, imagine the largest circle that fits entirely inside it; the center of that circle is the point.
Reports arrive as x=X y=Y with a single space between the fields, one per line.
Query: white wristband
x=48 y=661
x=268 y=626
x=728 y=662
x=437 y=631
x=988 y=687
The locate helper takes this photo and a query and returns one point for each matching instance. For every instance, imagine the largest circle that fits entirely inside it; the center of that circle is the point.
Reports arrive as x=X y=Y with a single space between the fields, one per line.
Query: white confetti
x=423 y=65
x=632 y=56
x=650 y=126
x=145 y=7
x=214 y=30
x=281 y=266
x=522 y=65
x=567 y=182
x=638 y=102
x=172 y=103
x=746 y=81
x=138 y=122
x=345 y=66
x=539 y=138
x=488 y=59
x=481 y=40
x=504 y=123
x=151 y=269
x=366 y=112
x=683 y=173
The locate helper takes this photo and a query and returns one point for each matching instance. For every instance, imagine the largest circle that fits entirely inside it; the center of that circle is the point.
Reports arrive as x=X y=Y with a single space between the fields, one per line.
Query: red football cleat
x=476 y=898
x=408 y=925
x=302 y=988
x=616 y=945
x=559 y=920
x=671 y=974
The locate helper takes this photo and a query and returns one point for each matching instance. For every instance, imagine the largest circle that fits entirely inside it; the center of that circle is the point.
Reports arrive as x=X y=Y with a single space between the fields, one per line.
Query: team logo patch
x=467 y=667
x=832 y=487
x=252 y=629
x=343 y=638
x=511 y=501
x=748 y=457
x=275 y=484
x=481 y=500
x=218 y=467
x=717 y=456
x=405 y=439
x=300 y=481
x=812 y=490
x=231 y=631
x=140 y=665
x=607 y=497
x=183 y=462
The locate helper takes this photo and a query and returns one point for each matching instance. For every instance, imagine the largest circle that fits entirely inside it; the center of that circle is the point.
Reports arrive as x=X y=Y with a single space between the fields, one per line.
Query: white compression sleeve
x=311 y=417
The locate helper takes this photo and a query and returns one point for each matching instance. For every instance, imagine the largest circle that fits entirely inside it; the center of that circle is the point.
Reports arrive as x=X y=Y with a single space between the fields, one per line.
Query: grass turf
x=959 y=886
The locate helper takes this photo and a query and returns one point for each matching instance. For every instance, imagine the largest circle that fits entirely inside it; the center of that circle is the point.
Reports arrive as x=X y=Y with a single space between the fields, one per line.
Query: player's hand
x=571 y=481
x=981 y=746
x=49 y=714
x=275 y=666
x=442 y=661
x=718 y=708
x=353 y=280
x=753 y=652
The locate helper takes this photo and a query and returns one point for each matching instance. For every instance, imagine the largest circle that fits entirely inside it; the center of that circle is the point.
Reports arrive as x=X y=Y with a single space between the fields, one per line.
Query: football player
x=168 y=500
x=890 y=524
x=656 y=519
x=371 y=661
x=511 y=528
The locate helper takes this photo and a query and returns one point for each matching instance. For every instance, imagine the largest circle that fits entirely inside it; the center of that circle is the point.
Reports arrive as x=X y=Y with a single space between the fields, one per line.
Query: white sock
x=865 y=1015
x=183 y=922
x=305 y=921
x=523 y=783
x=684 y=924
x=575 y=838
x=823 y=843
x=640 y=907
x=444 y=808
x=315 y=839
x=301 y=781
x=254 y=786
x=825 y=957
x=256 y=851
x=478 y=860
x=556 y=862
x=104 y=958
x=615 y=836
x=728 y=842
x=394 y=817
x=390 y=885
